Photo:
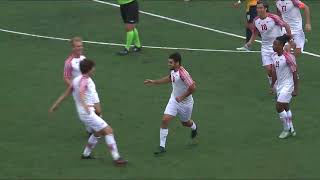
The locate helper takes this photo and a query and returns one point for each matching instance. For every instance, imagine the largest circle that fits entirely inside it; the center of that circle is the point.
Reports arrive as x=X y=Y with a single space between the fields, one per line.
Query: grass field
x=238 y=125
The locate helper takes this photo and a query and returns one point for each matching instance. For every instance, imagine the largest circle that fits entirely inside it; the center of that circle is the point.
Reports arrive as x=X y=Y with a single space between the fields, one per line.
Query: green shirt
x=121 y=2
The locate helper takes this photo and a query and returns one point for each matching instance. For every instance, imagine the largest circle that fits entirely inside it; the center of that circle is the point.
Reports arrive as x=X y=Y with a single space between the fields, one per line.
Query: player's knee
x=129 y=27
x=297 y=52
x=279 y=107
x=108 y=130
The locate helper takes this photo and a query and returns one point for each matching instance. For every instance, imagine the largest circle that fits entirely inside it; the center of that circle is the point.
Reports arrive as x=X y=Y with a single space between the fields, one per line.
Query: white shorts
x=266 y=58
x=92 y=121
x=299 y=39
x=284 y=93
x=183 y=110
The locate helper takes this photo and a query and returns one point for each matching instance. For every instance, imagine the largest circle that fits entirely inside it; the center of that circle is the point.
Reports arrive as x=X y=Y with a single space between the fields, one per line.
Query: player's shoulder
x=182 y=70
x=273 y=16
x=256 y=19
x=289 y=56
x=274 y=55
x=69 y=59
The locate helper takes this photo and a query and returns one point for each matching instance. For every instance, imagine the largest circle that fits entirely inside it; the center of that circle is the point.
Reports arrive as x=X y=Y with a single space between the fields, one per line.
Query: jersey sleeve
x=298 y=4
x=254 y=28
x=277 y=19
x=185 y=77
x=291 y=61
x=67 y=72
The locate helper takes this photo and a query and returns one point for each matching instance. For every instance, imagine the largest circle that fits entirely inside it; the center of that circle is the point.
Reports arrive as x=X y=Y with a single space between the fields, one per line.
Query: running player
x=251 y=13
x=181 y=100
x=130 y=16
x=270 y=27
x=290 y=12
x=88 y=106
x=286 y=75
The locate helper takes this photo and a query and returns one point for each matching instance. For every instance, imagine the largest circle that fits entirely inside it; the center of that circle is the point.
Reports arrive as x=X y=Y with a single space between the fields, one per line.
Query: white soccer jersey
x=270 y=28
x=284 y=65
x=85 y=85
x=290 y=11
x=72 y=66
x=181 y=81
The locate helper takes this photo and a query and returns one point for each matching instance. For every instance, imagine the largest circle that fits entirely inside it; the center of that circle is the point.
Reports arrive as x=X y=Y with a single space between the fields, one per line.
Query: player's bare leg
x=107 y=133
x=164 y=133
x=297 y=52
x=282 y=109
x=191 y=124
x=290 y=121
x=268 y=69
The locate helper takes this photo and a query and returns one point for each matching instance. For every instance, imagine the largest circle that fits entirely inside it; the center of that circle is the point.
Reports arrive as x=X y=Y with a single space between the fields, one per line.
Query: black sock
x=248 y=34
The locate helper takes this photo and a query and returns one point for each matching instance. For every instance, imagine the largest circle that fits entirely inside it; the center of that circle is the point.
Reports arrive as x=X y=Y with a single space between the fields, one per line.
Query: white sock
x=289 y=120
x=194 y=126
x=112 y=145
x=283 y=119
x=92 y=141
x=163 y=137
x=270 y=80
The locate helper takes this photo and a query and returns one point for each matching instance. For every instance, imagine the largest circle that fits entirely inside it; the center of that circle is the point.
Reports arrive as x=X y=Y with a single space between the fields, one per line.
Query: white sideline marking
x=194 y=25
x=116 y=44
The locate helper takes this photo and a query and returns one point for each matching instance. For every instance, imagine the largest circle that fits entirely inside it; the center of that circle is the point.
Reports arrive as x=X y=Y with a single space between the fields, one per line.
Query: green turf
x=236 y=117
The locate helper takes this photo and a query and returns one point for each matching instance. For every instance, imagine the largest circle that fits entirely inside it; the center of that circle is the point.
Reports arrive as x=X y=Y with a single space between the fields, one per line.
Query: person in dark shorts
x=251 y=13
x=130 y=15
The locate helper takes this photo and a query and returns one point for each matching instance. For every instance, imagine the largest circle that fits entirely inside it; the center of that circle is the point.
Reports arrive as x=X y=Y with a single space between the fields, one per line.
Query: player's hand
x=148 y=82
x=308 y=27
x=295 y=93
x=236 y=5
x=52 y=109
x=179 y=99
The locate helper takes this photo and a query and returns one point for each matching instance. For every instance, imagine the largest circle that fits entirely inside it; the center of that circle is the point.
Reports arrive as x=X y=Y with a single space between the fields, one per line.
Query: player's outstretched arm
x=60 y=99
x=163 y=80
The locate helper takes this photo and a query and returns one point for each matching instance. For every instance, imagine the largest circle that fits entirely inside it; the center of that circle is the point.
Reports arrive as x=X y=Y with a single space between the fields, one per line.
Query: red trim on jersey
x=298 y=4
x=67 y=72
x=255 y=30
x=185 y=76
x=291 y=61
x=84 y=83
x=276 y=19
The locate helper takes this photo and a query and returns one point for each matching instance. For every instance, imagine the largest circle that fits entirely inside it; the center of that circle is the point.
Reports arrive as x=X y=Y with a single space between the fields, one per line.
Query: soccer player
x=181 y=100
x=251 y=13
x=290 y=12
x=71 y=65
x=130 y=16
x=285 y=73
x=88 y=106
x=270 y=27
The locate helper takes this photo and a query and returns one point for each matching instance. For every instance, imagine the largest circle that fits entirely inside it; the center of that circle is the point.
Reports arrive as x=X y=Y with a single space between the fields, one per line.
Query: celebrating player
x=290 y=12
x=270 y=27
x=130 y=16
x=88 y=106
x=251 y=13
x=285 y=73
x=181 y=100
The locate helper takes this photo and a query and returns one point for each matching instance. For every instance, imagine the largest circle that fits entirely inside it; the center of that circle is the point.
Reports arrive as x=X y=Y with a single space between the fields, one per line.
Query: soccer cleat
x=136 y=49
x=87 y=157
x=284 y=134
x=161 y=151
x=194 y=133
x=293 y=133
x=243 y=48
x=120 y=161
x=123 y=52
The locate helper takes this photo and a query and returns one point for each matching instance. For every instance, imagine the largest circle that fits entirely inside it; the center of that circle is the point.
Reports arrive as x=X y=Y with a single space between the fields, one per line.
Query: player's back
x=291 y=13
x=284 y=66
x=84 y=84
x=72 y=66
x=270 y=28
x=181 y=80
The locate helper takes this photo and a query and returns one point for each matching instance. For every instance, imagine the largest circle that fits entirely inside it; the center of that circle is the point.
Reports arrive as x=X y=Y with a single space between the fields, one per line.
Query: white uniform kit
x=290 y=11
x=284 y=65
x=270 y=28
x=86 y=85
x=181 y=81
x=72 y=66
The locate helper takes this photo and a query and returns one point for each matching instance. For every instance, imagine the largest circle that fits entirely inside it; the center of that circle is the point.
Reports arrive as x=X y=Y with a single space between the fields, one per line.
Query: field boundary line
x=194 y=25
x=117 y=44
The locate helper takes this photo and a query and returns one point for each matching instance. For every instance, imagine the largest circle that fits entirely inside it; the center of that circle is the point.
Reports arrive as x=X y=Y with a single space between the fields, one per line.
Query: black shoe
x=194 y=133
x=136 y=49
x=123 y=52
x=87 y=157
x=161 y=151
x=120 y=161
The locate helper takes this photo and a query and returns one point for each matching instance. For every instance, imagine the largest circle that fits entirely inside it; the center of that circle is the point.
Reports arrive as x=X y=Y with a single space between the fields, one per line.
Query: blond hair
x=75 y=39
